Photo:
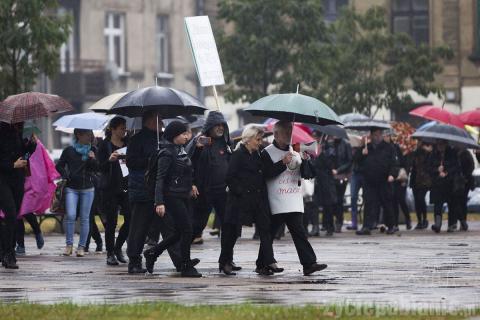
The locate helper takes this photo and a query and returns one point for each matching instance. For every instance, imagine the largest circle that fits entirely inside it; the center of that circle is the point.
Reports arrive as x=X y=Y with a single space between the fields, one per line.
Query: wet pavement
x=411 y=270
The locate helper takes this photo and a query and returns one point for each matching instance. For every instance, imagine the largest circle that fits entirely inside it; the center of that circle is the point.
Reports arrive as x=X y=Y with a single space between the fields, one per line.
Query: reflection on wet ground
x=415 y=269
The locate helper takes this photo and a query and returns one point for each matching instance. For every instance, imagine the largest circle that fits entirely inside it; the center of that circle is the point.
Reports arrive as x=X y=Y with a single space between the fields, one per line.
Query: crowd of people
x=170 y=186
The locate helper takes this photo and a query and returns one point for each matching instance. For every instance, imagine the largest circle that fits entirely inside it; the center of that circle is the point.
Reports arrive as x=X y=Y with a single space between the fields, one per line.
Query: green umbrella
x=294 y=107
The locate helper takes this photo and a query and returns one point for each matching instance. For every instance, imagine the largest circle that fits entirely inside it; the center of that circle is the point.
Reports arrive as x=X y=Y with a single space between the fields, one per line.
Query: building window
x=115 y=40
x=411 y=17
x=162 y=42
x=332 y=9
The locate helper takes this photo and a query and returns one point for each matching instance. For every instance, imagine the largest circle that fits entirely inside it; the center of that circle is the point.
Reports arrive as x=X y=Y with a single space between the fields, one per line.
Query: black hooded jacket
x=378 y=164
x=211 y=162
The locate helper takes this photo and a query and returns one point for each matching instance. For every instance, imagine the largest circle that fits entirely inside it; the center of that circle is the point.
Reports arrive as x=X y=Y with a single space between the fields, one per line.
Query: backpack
x=151 y=172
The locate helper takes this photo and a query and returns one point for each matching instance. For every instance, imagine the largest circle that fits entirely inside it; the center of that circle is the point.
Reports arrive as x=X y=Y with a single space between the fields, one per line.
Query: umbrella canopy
x=294 y=107
x=471 y=118
x=168 y=102
x=349 y=117
x=106 y=103
x=299 y=135
x=437 y=114
x=31 y=105
x=89 y=120
x=332 y=130
x=454 y=135
x=403 y=136
x=367 y=125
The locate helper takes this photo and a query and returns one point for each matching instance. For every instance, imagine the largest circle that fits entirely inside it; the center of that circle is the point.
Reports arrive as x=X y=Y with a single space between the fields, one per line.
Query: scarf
x=83 y=149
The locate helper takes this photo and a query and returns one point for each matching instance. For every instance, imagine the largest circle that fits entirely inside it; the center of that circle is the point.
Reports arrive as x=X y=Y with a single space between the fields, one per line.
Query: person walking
x=325 y=194
x=173 y=190
x=421 y=181
x=467 y=165
x=247 y=203
x=380 y=168
x=283 y=171
x=210 y=153
x=114 y=189
x=13 y=154
x=77 y=165
x=142 y=149
x=444 y=167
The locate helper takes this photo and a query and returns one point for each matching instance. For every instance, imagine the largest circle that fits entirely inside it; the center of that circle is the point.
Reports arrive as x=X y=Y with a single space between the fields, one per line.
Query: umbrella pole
x=216 y=97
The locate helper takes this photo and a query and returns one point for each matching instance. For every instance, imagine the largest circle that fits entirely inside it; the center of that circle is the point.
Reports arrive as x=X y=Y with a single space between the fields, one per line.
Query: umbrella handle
x=158 y=136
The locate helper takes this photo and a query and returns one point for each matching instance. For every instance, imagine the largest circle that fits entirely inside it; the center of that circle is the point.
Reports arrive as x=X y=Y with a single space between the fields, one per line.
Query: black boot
x=193 y=262
x=189 y=271
x=313 y=268
x=235 y=267
x=463 y=225
x=9 y=261
x=135 y=266
x=119 y=255
x=111 y=260
x=438 y=224
x=315 y=232
x=150 y=258
x=226 y=269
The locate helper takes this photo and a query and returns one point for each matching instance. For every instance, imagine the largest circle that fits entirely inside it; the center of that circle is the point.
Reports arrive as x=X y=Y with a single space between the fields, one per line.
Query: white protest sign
x=204 y=49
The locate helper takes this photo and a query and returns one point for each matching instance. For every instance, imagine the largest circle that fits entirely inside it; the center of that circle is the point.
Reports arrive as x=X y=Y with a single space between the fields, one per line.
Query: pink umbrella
x=438 y=114
x=299 y=135
x=472 y=118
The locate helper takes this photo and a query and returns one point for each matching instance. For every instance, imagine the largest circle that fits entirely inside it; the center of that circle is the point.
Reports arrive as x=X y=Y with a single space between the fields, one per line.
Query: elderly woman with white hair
x=247 y=203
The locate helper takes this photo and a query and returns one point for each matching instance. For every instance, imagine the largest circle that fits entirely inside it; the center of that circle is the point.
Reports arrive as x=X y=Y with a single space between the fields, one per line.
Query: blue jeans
x=356 y=183
x=83 y=199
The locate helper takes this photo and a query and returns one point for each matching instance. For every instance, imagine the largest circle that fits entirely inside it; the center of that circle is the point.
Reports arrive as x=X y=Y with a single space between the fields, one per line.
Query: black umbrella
x=455 y=136
x=367 y=125
x=331 y=130
x=168 y=102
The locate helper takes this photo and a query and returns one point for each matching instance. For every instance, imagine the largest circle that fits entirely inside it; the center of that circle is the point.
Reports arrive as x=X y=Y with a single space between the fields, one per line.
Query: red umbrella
x=31 y=105
x=438 y=114
x=472 y=118
x=299 y=135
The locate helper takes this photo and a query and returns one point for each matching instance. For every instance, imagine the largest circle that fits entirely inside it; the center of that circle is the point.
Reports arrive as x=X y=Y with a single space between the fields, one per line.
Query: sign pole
x=216 y=97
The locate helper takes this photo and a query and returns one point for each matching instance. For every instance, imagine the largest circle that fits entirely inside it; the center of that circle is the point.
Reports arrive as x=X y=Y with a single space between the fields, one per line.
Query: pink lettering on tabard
x=288 y=190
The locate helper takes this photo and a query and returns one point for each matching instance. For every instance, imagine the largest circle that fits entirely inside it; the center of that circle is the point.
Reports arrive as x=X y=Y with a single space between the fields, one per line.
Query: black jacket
x=247 y=190
x=12 y=147
x=112 y=178
x=467 y=165
x=142 y=146
x=378 y=164
x=421 y=172
x=211 y=162
x=174 y=173
x=442 y=188
x=79 y=174
x=325 y=192
x=343 y=157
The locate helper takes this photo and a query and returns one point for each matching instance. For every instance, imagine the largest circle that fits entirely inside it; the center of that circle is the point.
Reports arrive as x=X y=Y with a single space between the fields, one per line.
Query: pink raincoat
x=39 y=186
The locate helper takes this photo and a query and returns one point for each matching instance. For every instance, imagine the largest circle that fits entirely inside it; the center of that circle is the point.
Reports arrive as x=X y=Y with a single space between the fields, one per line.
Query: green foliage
x=269 y=37
x=31 y=33
x=354 y=64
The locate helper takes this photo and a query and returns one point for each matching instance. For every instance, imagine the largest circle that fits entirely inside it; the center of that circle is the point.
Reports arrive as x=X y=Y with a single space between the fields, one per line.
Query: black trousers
x=341 y=188
x=94 y=232
x=420 y=203
x=311 y=214
x=293 y=220
x=32 y=220
x=462 y=206
x=231 y=232
x=452 y=210
x=400 y=200
x=112 y=202
x=378 y=196
x=179 y=210
x=328 y=213
x=140 y=220
x=203 y=207
x=11 y=192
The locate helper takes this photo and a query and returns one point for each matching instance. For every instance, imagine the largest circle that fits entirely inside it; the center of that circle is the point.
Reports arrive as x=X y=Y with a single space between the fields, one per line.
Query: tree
x=354 y=64
x=372 y=68
x=31 y=34
x=269 y=39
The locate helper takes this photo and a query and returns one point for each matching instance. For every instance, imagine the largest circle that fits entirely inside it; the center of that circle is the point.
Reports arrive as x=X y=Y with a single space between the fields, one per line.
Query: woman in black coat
x=325 y=194
x=14 y=153
x=114 y=188
x=247 y=203
x=173 y=191
x=444 y=169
